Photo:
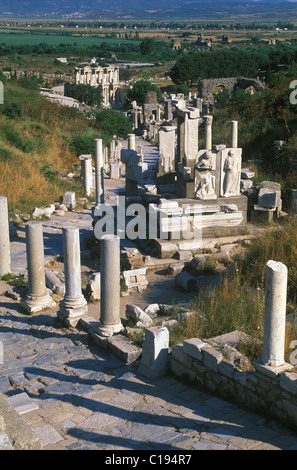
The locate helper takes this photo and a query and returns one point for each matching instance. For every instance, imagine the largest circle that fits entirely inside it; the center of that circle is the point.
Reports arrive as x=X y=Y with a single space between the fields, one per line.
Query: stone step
x=15 y=430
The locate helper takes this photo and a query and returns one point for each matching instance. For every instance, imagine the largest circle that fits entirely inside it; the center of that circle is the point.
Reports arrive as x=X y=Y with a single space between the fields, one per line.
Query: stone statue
x=231 y=175
x=205 y=162
x=205 y=186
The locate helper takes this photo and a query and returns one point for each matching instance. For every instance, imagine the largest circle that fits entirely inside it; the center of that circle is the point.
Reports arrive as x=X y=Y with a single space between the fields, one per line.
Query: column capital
x=208 y=120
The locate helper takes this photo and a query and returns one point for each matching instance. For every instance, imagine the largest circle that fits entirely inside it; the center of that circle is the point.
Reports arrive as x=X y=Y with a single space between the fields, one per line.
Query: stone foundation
x=218 y=219
x=269 y=390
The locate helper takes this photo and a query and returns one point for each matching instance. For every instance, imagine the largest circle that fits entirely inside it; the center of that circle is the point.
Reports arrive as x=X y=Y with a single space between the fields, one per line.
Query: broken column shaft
x=208 y=132
x=234 y=134
x=99 y=176
x=131 y=142
x=275 y=314
x=4 y=238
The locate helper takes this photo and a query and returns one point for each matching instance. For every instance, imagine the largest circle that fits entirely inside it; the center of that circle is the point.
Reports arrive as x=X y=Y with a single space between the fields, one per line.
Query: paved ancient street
x=76 y=397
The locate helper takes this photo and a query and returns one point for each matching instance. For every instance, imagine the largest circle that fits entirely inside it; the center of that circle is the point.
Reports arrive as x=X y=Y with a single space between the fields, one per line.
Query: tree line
x=148 y=48
x=236 y=62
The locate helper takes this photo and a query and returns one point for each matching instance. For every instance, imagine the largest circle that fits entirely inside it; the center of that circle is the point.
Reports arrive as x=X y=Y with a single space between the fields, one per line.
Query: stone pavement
x=75 y=397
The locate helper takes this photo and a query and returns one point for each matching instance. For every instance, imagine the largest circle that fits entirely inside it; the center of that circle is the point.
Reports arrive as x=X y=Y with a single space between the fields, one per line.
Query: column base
x=72 y=310
x=36 y=304
x=272 y=371
x=109 y=330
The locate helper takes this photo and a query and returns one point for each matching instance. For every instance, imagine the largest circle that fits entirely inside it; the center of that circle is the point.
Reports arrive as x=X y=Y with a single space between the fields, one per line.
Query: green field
x=56 y=39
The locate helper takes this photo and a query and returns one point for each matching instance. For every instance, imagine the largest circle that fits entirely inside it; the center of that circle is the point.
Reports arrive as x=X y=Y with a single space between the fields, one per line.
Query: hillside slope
x=39 y=142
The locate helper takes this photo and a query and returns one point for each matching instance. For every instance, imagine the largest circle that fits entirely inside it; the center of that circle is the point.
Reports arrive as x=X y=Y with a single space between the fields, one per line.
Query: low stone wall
x=268 y=390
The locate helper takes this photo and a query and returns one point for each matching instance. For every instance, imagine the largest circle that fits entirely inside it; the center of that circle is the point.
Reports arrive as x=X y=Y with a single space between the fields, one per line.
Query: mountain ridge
x=171 y=9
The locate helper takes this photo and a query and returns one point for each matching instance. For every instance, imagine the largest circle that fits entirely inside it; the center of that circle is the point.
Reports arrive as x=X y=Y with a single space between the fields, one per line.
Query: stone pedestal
x=74 y=304
x=154 y=362
x=4 y=238
x=187 y=135
x=166 y=173
x=275 y=314
x=69 y=200
x=38 y=297
x=110 y=322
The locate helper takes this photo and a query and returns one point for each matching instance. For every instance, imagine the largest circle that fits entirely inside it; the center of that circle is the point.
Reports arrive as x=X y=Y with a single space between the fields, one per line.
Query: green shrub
x=47 y=171
x=12 y=109
x=82 y=144
x=112 y=122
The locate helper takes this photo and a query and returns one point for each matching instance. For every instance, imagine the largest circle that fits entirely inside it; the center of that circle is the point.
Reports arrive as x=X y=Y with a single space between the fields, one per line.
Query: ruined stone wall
x=207 y=87
x=262 y=389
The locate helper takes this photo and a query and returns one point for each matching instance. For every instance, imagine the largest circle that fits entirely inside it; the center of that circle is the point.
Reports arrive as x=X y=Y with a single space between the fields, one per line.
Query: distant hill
x=151 y=9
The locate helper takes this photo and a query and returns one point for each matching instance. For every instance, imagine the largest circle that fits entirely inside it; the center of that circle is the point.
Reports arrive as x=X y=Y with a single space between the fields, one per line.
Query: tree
x=184 y=70
x=138 y=93
x=112 y=122
x=91 y=96
x=147 y=46
x=213 y=64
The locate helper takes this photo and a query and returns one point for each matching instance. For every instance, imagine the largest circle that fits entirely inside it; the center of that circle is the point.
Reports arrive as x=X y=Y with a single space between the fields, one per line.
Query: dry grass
x=224 y=308
x=39 y=138
x=279 y=244
x=238 y=302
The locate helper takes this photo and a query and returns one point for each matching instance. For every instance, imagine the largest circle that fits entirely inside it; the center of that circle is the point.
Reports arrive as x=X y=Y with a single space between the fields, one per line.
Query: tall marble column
x=74 y=304
x=110 y=322
x=37 y=297
x=4 y=237
x=208 y=132
x=99 y=175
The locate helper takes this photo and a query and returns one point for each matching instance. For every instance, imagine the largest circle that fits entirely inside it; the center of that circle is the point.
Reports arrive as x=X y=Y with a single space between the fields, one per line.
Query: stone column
x=135 y=119
x=208 y=132
x=74 y=304
x=275 y=314
x=131 y=142
x=87 y=173
x=234 y=135
x=38 y=297
x=105 y=160
x=4 y=237
x=99 y=175
x=110 y=322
